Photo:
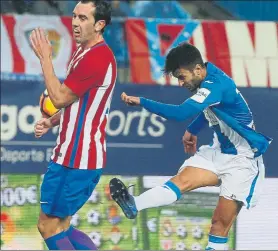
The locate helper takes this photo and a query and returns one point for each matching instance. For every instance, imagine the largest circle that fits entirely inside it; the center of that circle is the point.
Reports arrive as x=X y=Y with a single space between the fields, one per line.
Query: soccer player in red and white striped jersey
x=84 y=102
x=81 y=140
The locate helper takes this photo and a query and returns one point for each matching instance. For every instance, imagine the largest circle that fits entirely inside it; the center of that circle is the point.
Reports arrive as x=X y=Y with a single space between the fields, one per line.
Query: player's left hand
x=130 y=100
x=41 y=44
x=189 y=142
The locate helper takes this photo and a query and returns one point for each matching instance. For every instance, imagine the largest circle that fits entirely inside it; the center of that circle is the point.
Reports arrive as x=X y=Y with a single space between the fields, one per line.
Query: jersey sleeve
x=209 y=94
x=197 y=124
x=168 y=111
x=206 y=96
x=86 y=75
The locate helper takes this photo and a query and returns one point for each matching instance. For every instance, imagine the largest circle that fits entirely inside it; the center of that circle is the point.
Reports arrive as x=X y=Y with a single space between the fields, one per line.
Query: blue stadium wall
x=138 y=143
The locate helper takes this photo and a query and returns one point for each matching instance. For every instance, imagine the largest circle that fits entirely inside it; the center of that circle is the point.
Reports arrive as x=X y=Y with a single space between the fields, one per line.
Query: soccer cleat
x=120 y=194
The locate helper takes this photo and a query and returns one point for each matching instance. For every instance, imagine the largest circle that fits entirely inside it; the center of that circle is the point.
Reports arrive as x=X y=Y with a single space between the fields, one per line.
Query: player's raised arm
x=175 y=112
x=186 y=64
x=60 y=95
x=204 y=98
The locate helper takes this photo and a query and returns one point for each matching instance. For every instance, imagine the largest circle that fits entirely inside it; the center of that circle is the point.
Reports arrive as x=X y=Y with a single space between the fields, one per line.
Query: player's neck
x=92 y=42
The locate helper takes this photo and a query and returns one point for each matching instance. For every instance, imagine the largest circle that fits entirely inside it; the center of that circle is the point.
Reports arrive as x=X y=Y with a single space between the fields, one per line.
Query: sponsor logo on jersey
x=201 y=95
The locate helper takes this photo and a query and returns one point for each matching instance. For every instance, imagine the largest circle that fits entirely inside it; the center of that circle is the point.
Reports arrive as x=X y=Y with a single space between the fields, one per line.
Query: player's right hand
x=130 y=100
x=189 y=142
x=41 y=127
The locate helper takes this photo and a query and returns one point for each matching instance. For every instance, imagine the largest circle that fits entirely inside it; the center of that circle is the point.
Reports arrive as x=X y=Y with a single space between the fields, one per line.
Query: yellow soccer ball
x=46 y=105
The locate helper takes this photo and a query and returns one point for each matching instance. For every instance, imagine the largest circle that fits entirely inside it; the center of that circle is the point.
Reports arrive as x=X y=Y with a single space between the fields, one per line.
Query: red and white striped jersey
x=81 y=141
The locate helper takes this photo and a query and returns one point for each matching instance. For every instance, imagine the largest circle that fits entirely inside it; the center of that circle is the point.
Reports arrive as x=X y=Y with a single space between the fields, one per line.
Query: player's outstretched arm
x=174 y=112
x=167 y=111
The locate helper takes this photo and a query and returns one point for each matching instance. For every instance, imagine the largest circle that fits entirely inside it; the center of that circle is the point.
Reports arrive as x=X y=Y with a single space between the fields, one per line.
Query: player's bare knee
x=42 y=226
x=66 y=223
x=49 y=227
x=42 y=223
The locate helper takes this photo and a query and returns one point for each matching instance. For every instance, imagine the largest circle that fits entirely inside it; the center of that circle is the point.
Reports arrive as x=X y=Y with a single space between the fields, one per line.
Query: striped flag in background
x=246 y=51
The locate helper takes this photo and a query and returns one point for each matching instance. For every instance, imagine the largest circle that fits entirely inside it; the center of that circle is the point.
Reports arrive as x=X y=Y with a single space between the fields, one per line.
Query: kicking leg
x=224 y=216
x=52 y=230
x=188 y=179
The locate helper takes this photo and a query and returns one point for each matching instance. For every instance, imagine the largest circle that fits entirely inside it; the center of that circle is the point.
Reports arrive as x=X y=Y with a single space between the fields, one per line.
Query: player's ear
x=100 y=25
x=197 y=69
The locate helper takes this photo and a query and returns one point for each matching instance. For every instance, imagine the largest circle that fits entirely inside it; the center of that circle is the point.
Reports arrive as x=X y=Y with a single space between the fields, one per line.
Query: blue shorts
x=65 y=190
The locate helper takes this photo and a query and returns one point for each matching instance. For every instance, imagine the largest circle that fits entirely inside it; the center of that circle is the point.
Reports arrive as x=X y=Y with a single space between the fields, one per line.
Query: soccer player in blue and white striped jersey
x=234 y=159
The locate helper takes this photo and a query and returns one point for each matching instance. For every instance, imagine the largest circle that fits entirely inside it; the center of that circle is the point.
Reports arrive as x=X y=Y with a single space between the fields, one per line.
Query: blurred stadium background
x=241 y=37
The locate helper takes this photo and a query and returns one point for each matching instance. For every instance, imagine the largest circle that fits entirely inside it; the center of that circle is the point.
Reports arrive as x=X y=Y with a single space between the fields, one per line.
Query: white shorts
x=241 y=177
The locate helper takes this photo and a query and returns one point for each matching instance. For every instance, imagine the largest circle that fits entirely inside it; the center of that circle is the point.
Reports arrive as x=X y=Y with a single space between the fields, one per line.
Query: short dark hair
x=103 y=10
x=184 y=55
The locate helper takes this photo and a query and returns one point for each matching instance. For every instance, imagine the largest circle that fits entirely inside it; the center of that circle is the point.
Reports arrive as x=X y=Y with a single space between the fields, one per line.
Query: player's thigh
x=80 y=185
x=51 y=189
x=224 y=216
x=203 y=158
x=197 y=171
x=64 y=190
x=191 y=178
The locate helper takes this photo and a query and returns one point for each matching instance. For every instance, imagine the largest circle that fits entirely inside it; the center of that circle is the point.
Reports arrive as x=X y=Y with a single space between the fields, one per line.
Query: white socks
x=158 y=196
x=217 y=242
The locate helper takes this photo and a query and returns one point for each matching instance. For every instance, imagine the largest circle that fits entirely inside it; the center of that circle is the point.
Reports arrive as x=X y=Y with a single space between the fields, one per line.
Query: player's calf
x=222 y=220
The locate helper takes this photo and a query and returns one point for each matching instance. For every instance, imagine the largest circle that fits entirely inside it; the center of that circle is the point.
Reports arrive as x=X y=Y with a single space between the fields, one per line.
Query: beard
x=193 y=85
